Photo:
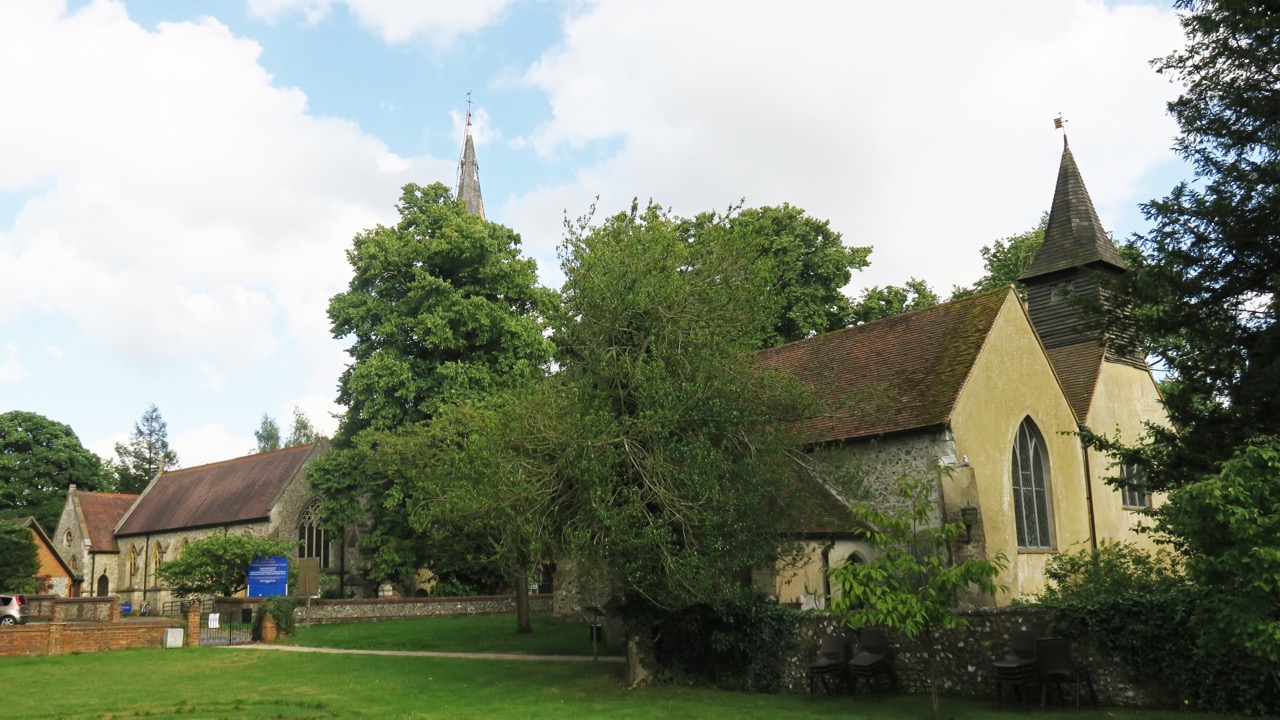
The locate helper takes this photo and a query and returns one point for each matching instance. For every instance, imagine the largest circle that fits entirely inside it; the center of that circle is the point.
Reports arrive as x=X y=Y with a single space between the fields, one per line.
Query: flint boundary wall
x=965 y=656
x=370 y=609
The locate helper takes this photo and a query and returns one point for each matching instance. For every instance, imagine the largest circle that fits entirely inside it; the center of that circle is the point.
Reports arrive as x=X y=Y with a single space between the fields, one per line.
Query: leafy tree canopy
x=267 y=434
x=218 y=564
x=18 y=559
x=805 y=265
x=877 y=302
x=669 y=455
x=441 y=307
x=39 y=461
x=1201 y=293
x=1005 y=261
x=911 y=586
x=301 y=431
x=146 y=454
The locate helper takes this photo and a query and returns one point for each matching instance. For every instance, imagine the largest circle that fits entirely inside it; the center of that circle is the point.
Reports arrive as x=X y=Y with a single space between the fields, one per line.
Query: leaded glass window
x=1031 y=489
x=313 y=537
x=1135 y=491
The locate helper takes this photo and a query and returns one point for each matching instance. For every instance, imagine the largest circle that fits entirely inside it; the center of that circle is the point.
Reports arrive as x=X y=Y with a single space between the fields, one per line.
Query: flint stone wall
x=965 y=656
x=369 y=609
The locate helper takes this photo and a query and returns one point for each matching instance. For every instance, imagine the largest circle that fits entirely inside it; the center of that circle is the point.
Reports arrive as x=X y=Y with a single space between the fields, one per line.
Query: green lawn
x=480 y=633
x=240 y=683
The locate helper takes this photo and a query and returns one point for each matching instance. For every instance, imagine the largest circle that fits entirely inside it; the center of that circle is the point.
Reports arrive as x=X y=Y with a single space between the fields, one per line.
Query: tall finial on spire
x=1059 y=123
x=469 y=171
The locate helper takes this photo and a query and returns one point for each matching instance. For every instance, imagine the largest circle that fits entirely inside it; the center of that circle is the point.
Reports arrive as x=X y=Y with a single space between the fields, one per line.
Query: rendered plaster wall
x=1124 y=399
x=1010 y=381
x=805 y=583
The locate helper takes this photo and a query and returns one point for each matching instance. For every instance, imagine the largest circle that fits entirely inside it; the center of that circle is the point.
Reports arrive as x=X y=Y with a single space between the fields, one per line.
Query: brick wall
x=59 y=638
x=336 y=611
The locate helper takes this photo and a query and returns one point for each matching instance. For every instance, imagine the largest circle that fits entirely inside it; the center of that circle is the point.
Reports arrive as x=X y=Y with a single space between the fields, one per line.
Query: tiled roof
x=1074 y=236
x=820 y=512
x=901 y=373
x=232 y=491
x=1077 y=367
x=101 y=513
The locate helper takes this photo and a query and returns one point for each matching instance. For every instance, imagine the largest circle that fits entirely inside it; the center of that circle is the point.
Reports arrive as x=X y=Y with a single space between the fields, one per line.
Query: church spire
x=469 y=172
x=1067 y=279
x=1074 y=237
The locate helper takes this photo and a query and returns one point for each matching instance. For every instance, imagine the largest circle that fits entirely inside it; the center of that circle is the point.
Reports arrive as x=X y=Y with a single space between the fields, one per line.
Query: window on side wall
x=1031 y=495
x=313 y=537
x=1135 y=490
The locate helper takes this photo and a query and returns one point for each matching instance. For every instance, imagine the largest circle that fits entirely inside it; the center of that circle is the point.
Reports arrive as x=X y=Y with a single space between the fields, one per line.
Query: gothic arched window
x=313 y=537
x=1031 y=489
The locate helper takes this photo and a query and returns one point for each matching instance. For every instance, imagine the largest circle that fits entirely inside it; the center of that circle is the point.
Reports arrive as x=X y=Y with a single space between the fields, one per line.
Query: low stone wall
x=363 y=610
x=59 y=638
x=40 y=607
x=965 y=656
x=86 y=609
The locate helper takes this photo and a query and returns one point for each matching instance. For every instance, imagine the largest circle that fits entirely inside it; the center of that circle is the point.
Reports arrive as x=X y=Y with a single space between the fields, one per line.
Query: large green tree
x=804 y=265
x=1201 y=293
x=146 y=454
x=39 y=460
x=674 y=454
x=441 y=307
x=19 y=562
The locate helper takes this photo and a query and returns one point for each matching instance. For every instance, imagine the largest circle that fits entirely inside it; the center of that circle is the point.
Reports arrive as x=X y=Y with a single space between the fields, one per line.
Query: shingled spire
x=1065 y=280
x=1074 y=237
x=469 y=174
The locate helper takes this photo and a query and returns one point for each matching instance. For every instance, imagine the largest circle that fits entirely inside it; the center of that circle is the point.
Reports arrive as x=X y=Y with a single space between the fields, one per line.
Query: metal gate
x=226 y=632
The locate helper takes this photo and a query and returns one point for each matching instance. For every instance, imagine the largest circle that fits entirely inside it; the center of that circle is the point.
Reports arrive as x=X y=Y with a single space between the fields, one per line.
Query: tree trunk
x=933 y=673
x=523 y=624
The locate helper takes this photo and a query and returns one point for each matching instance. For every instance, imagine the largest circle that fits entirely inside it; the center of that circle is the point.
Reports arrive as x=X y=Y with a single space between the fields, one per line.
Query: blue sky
x=179 y=181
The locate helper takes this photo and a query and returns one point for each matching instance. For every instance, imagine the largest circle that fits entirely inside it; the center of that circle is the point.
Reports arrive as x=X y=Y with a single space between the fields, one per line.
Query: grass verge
x=237 y=683
x=474 y=634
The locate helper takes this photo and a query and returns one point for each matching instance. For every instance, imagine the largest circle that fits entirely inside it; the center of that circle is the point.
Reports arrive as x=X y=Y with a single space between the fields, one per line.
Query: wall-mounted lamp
x=968 y=516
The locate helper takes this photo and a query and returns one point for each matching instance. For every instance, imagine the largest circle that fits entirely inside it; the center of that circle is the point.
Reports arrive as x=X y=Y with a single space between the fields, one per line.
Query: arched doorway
x=103 y=585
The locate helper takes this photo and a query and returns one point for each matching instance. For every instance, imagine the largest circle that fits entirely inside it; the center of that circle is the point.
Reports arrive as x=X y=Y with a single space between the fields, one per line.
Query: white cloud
x=396 y=21
x=182 y=205
x=10 y=367
x=922 y=128
x=211 y=443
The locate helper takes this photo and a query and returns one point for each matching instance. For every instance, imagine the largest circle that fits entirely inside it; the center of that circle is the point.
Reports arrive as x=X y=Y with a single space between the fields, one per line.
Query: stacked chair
x=832 y=660
x=872 y=661
x=1018 y=668
x=1056 y=667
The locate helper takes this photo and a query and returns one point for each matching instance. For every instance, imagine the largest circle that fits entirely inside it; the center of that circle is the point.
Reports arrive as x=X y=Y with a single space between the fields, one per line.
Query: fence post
x=269 y=633
x=193 y=626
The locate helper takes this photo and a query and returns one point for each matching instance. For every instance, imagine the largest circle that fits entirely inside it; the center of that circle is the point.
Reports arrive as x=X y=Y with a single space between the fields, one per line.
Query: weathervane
x=468 y=108
x=1060 y=123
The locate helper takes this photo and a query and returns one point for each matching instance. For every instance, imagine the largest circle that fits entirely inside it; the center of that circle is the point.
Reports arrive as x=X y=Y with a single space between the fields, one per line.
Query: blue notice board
x=269 y=576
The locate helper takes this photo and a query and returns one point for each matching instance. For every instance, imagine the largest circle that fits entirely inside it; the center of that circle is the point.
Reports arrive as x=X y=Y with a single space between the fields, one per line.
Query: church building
x=986 y=393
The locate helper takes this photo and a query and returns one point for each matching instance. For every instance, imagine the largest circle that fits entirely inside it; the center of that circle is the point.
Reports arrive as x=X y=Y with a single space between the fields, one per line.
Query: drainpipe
x=1088 y=497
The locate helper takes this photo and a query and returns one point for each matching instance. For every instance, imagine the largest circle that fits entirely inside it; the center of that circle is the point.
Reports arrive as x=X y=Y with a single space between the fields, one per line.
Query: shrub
x=1167 y=631
x=280 y=608
x=738 y=645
